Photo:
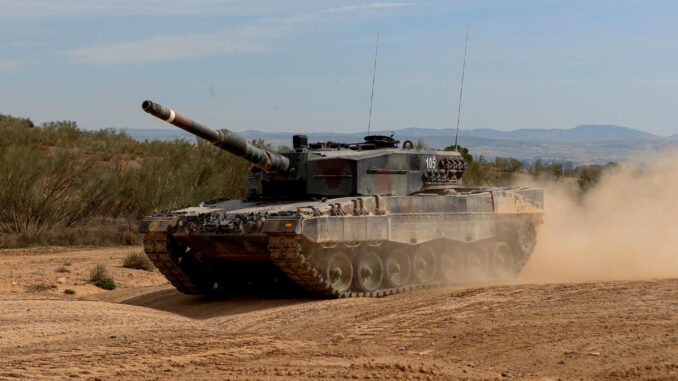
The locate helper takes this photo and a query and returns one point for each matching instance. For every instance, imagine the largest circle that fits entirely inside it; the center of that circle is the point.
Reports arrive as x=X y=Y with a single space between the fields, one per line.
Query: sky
x=306 y=66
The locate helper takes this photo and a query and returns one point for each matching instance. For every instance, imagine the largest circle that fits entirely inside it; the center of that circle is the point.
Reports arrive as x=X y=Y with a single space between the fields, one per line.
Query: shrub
x=41 y=287
x=68 y=291
x=137 y=260
x=66 y=186
x=98 y=273
x=62 y=269
x=105 y=283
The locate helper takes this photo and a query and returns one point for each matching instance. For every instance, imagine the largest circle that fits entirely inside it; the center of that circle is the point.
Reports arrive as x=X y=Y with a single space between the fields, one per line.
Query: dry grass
x=137 y=260
x=69 y=187
x=98 y=273
x=100 y=232
x=99 y=276
x=41 y=287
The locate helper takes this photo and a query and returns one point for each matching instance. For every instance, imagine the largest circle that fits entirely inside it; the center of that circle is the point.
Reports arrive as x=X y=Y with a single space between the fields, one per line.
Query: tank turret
x=224 y=139
x=330 y=169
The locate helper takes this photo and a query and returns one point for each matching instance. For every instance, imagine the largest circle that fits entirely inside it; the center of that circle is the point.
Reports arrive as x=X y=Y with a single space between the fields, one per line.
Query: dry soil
x=145 y=329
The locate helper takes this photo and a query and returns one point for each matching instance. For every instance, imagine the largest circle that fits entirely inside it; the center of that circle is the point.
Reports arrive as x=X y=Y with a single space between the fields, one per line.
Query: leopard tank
x=337 y=220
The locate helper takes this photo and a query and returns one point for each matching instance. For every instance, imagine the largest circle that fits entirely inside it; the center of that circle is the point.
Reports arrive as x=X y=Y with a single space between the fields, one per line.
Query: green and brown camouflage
x=337 y=219
x=374 y=167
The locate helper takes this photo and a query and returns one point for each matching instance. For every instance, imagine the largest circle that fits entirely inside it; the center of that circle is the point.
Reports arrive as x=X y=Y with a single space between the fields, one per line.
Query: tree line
x=64 y=185
x=61 y=185
x=502 y=171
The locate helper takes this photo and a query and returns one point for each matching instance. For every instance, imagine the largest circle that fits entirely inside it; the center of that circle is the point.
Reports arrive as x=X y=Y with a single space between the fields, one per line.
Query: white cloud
x=9 y=65
x=306 y=17
x=171 y=48
x=25 y=44
x=252 y=39
x=80 y=8
x=232 y=8
x=361 y=7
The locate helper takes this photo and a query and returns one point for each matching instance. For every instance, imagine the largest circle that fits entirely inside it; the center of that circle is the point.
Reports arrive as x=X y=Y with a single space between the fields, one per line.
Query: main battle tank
x=336 y=220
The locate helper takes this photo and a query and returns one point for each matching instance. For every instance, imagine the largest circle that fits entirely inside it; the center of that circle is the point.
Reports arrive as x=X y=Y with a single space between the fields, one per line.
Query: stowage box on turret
x=335 y=220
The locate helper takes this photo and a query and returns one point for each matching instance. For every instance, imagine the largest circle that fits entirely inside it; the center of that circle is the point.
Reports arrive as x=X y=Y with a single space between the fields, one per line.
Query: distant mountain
x=581 y=145
x=142 y=134
x=583 y=133
x=606 y=132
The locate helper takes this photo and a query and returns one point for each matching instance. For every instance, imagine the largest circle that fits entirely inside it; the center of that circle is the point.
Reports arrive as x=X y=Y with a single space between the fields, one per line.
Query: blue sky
x=307 y=65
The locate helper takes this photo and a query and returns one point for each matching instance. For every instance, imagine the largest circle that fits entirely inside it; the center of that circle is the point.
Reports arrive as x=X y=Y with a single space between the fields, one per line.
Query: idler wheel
x=451 y=265
x=424 y=264
x=477 y=266
x=338 y=271
x=526 y=237
x=521 y=237
x=368 y=271
x=397 y=269
x=502 y=261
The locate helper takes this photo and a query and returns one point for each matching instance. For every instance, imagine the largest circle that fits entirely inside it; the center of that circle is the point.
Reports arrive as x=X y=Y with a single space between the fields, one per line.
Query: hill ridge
x=583 y=144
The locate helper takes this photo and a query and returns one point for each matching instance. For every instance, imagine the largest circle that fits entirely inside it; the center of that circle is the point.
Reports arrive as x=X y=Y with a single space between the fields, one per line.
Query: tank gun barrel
x=224 y=139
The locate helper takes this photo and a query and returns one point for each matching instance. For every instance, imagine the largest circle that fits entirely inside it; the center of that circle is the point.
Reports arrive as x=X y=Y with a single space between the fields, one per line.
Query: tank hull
x=350 y=246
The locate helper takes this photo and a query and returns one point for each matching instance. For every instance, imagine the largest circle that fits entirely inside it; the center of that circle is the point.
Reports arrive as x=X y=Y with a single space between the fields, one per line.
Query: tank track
x=160 y=253
x=286 y=254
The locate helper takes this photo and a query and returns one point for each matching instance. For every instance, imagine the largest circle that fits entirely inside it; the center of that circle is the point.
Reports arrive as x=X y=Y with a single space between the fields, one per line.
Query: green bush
x=68 y=291
x=105 y=283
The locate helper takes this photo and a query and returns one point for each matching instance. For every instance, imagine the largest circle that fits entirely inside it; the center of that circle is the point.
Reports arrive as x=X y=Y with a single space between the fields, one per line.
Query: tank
x=337 y=220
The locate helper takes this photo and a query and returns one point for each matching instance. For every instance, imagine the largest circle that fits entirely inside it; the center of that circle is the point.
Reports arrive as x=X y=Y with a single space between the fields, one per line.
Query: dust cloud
x=625 y=228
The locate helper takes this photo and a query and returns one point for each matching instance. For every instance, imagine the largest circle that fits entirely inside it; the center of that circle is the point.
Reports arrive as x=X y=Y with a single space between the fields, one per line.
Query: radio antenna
x=461 y=91
x=374 y=75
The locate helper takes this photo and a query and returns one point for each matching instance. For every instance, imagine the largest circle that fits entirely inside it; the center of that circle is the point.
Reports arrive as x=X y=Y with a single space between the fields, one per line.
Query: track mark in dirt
x=200 y=307
x=595 y=330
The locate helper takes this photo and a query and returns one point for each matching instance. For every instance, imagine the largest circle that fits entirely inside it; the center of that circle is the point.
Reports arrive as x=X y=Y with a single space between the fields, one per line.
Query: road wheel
x=477 y=266
x=368 y=271
x=502 y=261
x=338 y=270
x=424 y=264
x=451 y=265
x=397 y=269
x=521 y=236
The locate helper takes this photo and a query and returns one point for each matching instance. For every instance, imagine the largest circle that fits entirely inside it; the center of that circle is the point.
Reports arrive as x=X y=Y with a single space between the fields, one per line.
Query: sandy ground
x=147 y=330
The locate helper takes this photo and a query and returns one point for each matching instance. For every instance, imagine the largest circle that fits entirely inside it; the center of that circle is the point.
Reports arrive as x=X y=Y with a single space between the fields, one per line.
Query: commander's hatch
x=377 y=142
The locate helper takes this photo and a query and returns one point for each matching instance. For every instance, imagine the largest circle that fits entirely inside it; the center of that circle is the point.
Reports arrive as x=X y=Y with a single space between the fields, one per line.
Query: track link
x=159 y=251
x=286 y=253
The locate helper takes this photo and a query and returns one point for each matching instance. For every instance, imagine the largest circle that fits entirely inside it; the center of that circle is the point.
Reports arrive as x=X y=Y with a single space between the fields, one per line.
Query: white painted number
x=430 y=162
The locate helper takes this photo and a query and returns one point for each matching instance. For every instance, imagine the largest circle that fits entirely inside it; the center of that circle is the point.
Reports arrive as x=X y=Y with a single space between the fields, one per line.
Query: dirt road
x=145 y=329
